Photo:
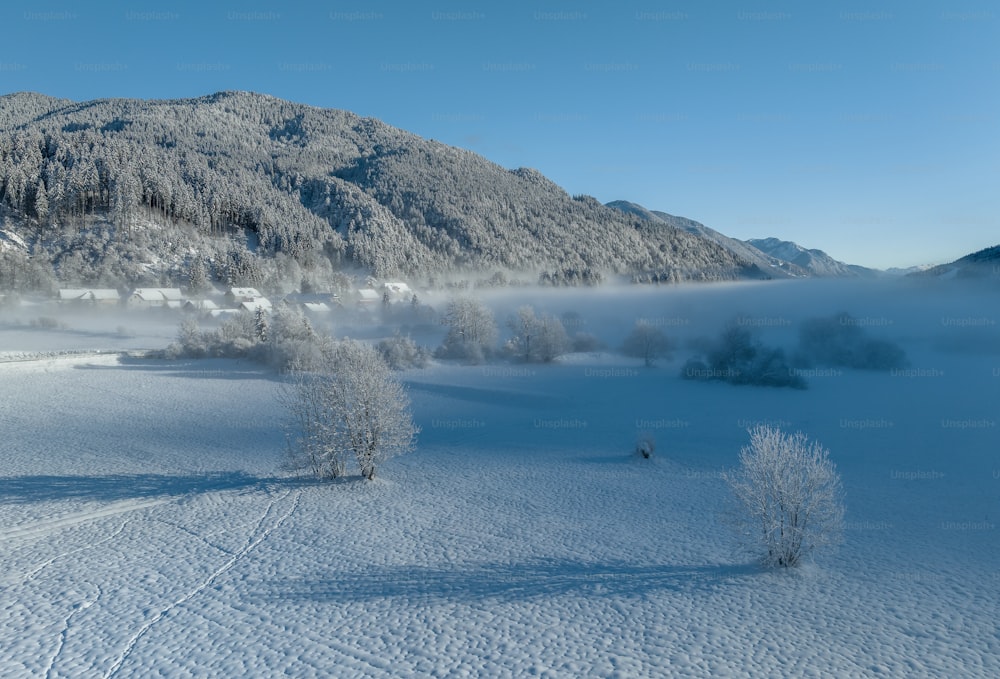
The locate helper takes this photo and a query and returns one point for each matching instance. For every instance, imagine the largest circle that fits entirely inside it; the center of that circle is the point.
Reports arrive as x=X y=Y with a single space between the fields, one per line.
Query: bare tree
x=647 y=342
x=353 y=406
x=313 y=444
x=537 y=339
x=789 y=494
x=472 y=330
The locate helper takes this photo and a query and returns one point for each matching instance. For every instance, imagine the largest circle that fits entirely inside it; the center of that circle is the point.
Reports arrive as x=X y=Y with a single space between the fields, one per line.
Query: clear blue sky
x=868 y=129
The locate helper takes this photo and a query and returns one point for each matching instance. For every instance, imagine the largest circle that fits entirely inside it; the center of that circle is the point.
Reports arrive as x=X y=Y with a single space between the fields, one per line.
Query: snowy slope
x=984 y=263
x=146 y=529
x=817 y=262
x=768 y=265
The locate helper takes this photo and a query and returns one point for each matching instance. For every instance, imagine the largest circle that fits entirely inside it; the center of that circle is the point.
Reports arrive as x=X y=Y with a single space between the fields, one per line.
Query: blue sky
x=868 y=129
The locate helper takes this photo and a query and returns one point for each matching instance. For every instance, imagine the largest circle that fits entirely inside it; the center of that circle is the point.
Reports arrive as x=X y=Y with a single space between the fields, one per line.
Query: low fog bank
x=939 y=313
x=49 y=328
x=947 y=316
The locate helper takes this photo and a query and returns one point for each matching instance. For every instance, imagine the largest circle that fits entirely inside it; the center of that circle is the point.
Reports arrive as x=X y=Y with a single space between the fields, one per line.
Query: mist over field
x=943 y=316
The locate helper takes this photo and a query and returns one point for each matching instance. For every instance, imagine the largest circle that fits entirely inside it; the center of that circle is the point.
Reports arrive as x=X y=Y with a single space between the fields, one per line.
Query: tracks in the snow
x=67 y=623
x=270 y=520
x=57 y=523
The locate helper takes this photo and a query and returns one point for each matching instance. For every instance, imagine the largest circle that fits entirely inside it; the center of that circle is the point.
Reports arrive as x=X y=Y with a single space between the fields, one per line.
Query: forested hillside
x=250 y=189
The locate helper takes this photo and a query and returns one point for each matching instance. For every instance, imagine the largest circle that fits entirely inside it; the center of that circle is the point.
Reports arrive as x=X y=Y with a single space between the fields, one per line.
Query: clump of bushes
x=739 y=357
x=585 y=342
x=647 y=342
x=472 y=331
x=401 y=352
x=535 y=338
x=284 y=339
x=841 y=341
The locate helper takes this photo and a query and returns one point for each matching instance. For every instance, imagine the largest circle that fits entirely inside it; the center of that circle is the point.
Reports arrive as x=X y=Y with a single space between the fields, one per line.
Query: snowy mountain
x=982 y=264
x=906 y=271
x=769 y=266
x=261 y=190
x=775 y=258
x=816 y=262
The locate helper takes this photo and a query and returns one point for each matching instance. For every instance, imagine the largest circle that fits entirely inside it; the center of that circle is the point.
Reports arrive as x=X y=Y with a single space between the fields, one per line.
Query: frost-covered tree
x=313 y=444
x=261 y=324
x=401 y=352
x=352 y=406
x=191 y=341
x=789 y=496
x=323 y=187
x=41 y=203
x=536 y=338
x=293 y=344
x=472 y=330
x=647 y=342
x=840 y=340
x=198 y=279
x=739 y=357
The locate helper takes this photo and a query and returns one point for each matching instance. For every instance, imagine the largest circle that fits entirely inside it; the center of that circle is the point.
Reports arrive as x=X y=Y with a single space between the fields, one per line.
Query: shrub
x=585 y=342
x=536 y=339
x=647 y=342
x=841 y=341
x=472 y=331
x=401 y=352
x=789 y=496
x=645 y=446
x=292 y=343
x=352 y=406
x=738 y=357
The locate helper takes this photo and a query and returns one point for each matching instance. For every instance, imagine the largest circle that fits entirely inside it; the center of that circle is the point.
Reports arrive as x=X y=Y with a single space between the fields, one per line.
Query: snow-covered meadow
x=146 y=528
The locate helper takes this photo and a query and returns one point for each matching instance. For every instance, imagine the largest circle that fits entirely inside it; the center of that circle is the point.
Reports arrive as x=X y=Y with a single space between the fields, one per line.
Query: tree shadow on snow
x=215 y=368
x=114 y=487
x=540 y=578
x=495 y=397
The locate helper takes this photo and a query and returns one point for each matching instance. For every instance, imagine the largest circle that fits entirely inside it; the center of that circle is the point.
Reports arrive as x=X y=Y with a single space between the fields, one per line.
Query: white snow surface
x=146 y=528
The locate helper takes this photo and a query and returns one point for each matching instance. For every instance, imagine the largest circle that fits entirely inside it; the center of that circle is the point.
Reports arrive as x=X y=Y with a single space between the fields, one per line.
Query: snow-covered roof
x=309 y=297
x=369 y=295
x=88 y=294
x=248 y=293
x=257 y=303
x=157 y=295
x=398 y=287
x=318 y=307
x=201 y=304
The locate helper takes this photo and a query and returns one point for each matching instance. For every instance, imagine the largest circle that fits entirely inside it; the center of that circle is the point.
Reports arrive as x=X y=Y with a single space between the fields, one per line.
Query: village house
x=397 y=291
x=103 y=296
x=165 y=298
x=200 y=305
x=368 y=297
x=260 y=303
x=314 y=302
x=237 y=296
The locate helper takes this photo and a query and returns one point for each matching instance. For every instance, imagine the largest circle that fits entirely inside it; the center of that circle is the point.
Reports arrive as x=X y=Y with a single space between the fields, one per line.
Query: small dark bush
x=584 y=342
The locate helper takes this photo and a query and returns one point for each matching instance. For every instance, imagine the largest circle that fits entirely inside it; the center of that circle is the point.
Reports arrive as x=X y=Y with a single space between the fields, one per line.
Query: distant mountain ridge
x=984 y=263
x=772 y=256
x=259 y=190
x=816 y=262
x=768 y=265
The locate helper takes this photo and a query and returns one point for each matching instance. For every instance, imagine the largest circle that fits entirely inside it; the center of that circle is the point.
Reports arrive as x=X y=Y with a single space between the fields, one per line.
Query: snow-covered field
x=146 y=529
